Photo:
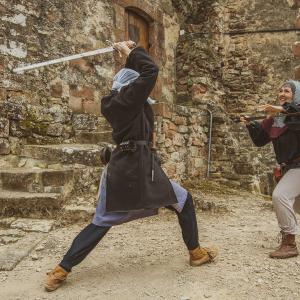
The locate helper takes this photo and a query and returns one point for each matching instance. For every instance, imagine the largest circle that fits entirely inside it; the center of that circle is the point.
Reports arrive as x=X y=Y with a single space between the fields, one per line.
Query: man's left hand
x=271 y=110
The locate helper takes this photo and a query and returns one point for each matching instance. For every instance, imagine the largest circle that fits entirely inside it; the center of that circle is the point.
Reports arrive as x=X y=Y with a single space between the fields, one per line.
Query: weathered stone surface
x=294 y=3
x=27 y=204
x=33 y=225
x=227 y=73
x=87 y=154
x=5 y=222
x=297 y=72
x=11 y=255
x=232 y=74
x=296 y=49
x=4 y=128
x=73 y=213
x=34 y=180
x=4 y=146
x=94 y=137
x=11 y=232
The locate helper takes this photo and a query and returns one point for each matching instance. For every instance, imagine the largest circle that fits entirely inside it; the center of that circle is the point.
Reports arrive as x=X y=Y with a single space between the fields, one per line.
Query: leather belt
x=131 y=145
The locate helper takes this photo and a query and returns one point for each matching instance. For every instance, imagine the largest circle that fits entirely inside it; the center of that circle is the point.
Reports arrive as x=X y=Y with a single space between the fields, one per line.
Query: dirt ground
x=146 y=259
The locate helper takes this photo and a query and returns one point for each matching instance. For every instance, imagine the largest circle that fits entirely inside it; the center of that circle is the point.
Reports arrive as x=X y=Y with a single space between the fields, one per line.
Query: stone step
x=85 y=154
x=35 y=180
x=93 y=137
x=25 y=204
x=90 y=122
x=70 y=214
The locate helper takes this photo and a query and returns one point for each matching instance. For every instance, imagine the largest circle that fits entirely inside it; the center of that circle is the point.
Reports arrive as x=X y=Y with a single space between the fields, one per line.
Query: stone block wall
x=230 y=56
x=42 y=105
x=295 y=4
x=230 y=63
x=182 y=140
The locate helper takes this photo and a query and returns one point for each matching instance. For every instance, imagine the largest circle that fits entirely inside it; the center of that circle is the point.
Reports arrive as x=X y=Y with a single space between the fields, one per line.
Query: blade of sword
x=64 y=59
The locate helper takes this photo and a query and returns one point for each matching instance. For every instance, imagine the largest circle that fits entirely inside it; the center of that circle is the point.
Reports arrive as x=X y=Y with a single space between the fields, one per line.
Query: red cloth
x=273 y=132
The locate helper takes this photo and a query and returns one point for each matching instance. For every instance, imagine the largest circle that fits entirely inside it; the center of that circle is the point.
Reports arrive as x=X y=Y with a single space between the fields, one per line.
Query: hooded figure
x=135 y=179
x=283 y=131
x=292 y=122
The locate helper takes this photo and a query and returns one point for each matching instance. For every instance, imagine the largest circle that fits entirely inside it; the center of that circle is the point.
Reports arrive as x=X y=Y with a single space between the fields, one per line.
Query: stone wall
x=182 y=140
x=230 y=56
x=231 y=63
x=44 y=105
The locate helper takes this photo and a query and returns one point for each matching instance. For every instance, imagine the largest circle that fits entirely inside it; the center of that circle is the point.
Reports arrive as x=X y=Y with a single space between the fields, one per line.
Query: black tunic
x=129 y=179
x=287 y=144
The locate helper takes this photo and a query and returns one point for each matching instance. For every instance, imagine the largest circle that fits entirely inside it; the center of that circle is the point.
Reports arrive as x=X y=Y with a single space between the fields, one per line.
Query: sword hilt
x=111 y=43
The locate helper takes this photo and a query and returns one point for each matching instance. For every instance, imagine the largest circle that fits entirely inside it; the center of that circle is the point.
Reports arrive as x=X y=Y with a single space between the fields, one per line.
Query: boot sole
x=283 y=257
x=49 y=288
x=199 y=262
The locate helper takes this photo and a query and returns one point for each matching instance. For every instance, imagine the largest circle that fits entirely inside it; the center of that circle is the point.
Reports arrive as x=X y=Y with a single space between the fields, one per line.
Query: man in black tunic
x=133 y=185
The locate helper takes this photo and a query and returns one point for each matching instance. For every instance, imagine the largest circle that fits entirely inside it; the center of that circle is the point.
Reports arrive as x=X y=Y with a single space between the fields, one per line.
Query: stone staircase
x=54 y=182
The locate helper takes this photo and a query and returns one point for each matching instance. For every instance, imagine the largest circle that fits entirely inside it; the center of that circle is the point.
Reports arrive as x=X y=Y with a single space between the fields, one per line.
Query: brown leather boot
x=55 y=278
x=201 y=255
x=288 y=247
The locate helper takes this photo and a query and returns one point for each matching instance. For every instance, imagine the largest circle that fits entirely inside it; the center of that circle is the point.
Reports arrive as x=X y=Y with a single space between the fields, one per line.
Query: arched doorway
x=139 y=21
x=137 y=29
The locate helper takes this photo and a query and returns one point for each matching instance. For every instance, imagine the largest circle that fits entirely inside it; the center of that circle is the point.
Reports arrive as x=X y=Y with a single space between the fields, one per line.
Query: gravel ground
x=146 y=259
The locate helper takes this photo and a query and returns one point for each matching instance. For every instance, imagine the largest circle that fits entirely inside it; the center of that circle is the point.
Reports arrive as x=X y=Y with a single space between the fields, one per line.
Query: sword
x=67 y=58
x=253 y=118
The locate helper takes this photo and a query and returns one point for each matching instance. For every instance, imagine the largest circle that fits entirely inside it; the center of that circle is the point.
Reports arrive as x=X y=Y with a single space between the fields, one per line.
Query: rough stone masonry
x=226 y=56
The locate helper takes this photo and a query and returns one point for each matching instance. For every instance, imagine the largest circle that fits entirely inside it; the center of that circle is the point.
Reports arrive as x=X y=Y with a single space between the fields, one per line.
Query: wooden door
x=137 y=30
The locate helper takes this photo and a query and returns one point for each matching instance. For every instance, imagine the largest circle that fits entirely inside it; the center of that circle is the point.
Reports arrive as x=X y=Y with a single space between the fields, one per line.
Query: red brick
x=170 y=134
x=2 y=9
x=56 y=90
x=83 y=92
x=157 y=91
x=294 y=3
x=75 y=104
x=296 y=49
x=172 y=126
x=91 y=107
x=199 y=89
x=81 y=64
x=297 y=22
x=162 y=109
x=51 y=17
x=2 y=94
x=180 y=120
x=297 y=72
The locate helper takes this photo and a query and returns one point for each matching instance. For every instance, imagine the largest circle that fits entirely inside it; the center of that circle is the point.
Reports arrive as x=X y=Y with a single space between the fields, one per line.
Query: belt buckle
x=128 y=146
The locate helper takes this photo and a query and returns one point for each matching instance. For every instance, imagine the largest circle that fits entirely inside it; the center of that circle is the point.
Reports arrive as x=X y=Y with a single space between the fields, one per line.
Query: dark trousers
x=92 y=234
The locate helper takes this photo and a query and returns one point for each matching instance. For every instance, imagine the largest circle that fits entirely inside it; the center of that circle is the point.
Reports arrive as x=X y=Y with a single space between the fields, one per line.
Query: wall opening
x=137 y=29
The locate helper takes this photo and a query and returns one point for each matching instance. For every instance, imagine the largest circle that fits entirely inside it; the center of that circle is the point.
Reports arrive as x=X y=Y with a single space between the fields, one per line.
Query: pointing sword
x=67 y=58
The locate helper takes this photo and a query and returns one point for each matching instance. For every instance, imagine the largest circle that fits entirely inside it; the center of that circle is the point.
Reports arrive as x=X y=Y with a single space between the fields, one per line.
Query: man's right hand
x=124 y=47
